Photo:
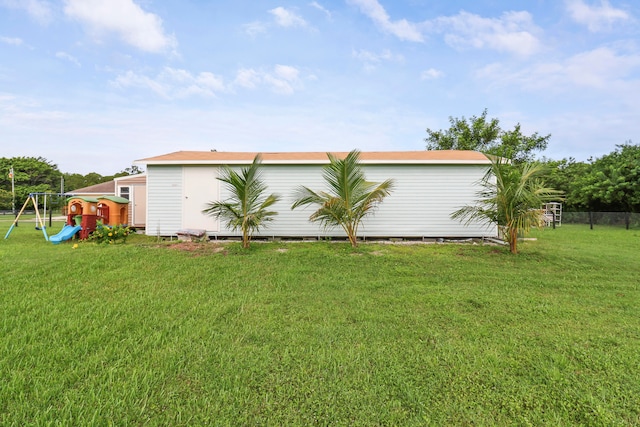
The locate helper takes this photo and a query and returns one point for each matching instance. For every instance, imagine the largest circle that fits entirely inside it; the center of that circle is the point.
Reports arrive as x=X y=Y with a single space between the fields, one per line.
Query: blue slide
x=67 y=232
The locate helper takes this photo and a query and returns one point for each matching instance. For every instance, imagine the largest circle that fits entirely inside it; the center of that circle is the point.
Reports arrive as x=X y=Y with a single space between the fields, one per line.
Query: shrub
x=110 y=235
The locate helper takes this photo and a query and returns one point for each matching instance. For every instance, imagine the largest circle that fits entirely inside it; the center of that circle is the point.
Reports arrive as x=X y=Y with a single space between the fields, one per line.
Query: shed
x=429 y=186
x=134 y=189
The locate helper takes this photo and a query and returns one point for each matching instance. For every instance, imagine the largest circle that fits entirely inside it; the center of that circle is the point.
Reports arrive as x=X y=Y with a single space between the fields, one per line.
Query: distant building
x=131 y=187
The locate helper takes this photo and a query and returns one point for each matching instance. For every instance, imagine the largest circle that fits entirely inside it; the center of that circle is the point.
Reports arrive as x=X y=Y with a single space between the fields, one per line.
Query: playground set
x=83 y=215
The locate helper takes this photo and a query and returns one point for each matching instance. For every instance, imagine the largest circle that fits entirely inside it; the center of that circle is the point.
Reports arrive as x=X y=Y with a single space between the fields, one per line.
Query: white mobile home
x=429 y=186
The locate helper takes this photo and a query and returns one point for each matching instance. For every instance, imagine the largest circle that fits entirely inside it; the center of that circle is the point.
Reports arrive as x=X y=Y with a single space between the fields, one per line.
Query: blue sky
x=93 y=85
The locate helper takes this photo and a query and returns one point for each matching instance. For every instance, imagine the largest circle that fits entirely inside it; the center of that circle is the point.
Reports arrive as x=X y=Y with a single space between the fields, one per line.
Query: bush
x=110 y=235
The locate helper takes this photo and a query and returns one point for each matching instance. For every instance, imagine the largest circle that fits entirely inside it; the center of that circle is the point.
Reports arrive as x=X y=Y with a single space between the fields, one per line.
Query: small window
x=124 y=192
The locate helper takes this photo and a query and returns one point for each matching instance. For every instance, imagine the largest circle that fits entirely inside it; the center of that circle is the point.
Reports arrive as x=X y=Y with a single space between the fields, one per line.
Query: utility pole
x=13 y=194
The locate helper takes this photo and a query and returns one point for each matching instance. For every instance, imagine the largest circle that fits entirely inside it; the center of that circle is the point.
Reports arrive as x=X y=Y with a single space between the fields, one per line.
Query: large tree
x=485 y=135
x=565 y=175
x=350 y=197
x=31 y=175
x=248 y=207
x=613 y=181
x=511 y=196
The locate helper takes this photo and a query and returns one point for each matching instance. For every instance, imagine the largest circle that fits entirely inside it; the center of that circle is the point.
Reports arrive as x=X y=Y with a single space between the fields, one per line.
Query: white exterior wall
x=284 y=180
x=419 y=206
x=164 y=200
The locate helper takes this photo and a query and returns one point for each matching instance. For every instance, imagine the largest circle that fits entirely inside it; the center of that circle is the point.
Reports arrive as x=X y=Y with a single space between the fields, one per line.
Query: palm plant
x=247 y=208
x=350 y=197
x=512 y=196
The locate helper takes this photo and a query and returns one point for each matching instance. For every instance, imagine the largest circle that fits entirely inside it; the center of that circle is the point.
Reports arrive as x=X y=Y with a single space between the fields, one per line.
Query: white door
x=200 y=186
x=139 y=210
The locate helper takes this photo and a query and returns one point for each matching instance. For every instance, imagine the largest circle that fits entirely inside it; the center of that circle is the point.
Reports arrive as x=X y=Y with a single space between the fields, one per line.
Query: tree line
x=610 y=183
x=39 y=175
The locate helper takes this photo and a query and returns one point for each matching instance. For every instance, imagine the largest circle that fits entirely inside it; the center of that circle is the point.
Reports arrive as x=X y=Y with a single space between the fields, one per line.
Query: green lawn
x=319 y=334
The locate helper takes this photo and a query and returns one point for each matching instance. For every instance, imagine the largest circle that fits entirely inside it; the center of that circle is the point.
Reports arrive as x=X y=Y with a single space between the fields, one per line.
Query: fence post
x=627 y=219
x=591 y=220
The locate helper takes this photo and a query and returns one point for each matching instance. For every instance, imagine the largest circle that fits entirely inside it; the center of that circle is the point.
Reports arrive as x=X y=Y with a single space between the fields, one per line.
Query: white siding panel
x=423 y=200
x=283 y=180
x=164 y=196
x=420 y=205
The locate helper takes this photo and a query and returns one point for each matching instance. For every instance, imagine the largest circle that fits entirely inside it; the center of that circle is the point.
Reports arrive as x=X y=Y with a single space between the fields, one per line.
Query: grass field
x=150 y=333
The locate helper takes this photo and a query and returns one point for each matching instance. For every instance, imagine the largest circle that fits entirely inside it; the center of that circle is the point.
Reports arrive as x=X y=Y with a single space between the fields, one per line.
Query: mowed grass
x=317 y=333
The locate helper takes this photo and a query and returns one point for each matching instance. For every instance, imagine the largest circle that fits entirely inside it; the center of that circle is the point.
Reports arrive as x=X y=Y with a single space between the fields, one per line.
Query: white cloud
x=283 y=79
x=287 y=72
x=321 y=8
x=27 y=113
x=279 y=86
x=255 y=28
x=174 y=83
x=402 y=29
x=68 y=57
x=37 y=9
x=371 y=59
x=247 y=78
x=596 y=18
x=602 y=69
x=513 y=32
x=287 y=18
x=281 y=17
x=126 y=19
x=385 y=55
x=11 y=40
x=431 y=74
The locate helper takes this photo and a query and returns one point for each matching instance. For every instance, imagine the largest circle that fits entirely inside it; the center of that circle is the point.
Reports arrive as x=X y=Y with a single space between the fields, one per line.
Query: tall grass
x=321 y=334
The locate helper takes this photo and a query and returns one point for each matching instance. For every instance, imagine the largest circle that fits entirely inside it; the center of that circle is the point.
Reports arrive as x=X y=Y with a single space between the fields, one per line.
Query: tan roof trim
x=366 y=157
x=131 y=179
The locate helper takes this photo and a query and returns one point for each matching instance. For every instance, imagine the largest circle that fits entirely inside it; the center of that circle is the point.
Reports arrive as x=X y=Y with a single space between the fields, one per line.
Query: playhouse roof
x=370 y=157
x=114 y=199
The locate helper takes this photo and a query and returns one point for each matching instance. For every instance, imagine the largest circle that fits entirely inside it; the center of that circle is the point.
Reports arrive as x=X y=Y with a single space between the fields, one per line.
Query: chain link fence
x=619 y=219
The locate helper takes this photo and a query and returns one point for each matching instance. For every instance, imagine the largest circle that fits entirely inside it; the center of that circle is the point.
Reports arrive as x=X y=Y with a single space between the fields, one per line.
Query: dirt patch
x=281 y=250
x=196 y=248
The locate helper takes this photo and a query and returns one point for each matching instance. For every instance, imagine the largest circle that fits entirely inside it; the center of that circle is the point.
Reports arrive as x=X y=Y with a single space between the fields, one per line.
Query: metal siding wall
x=164 y=196
x=283 y=180
x=423 y=200
x=420 y=205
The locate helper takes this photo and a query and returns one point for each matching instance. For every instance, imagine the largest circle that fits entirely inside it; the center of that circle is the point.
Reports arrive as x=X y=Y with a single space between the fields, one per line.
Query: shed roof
x=131 y=179
x=366 y=157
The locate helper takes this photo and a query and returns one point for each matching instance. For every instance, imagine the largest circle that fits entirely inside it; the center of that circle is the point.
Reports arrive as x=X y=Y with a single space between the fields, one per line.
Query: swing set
x=33 y=198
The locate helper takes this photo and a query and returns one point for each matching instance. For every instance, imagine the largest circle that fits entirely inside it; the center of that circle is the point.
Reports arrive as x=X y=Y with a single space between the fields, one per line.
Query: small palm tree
x=247 y=209
x=350 y=198
x=512 y=196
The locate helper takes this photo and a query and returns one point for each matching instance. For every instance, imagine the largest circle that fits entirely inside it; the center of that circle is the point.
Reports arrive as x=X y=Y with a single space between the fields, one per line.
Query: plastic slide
x=67 y=232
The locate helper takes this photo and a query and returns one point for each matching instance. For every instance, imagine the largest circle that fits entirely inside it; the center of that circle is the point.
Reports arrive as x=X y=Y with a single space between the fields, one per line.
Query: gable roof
x=366 y=157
